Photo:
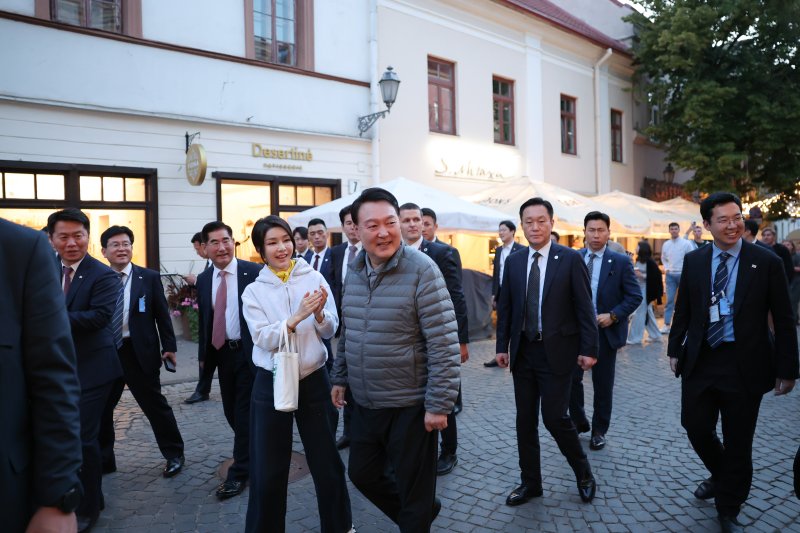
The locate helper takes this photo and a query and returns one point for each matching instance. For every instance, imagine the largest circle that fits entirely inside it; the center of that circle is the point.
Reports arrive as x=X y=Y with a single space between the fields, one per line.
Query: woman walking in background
x=649 y=277
x=288 y=293
x=794 y=285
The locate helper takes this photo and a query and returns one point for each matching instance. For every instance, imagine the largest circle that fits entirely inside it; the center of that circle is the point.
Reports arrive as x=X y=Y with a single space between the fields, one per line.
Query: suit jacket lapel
x=707 y=277
x=553 y=261
x=743 y=276
x=77 y=279
x=606 y=267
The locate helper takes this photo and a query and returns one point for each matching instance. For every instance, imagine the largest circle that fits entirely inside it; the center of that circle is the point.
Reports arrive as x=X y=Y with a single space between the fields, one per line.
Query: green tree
x=726 y=79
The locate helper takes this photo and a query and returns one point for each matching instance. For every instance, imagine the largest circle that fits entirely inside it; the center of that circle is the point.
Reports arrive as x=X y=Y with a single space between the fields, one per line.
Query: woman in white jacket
x=290 y=294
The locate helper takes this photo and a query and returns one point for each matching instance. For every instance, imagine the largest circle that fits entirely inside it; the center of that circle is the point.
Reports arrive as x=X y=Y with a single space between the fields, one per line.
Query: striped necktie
x=119 y=311
x=716 y=329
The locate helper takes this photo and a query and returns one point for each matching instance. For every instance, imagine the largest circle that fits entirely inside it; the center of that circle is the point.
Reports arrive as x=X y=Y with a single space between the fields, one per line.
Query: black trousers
x=716 y=389
x=535 y=383
x=92 y=403
x=393 y=463
x=206 y=369
x=347 y=412
x=146 y=390
x=603 y=373
x=450 y=433
x=271 y=450
x=235 y=372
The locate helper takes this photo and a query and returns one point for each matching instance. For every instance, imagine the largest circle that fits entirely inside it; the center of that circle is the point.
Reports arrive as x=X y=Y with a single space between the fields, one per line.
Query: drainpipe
x=598 y=158
x=375 y=97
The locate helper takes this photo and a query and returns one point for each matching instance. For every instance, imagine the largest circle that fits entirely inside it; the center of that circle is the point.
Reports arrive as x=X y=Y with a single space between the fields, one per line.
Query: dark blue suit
x=150 y=327
x=235 y=365
x=617 y=292
x=40 y=447
x=542 y=370
x=325 y=266
x=308 y=255
x=91 y=301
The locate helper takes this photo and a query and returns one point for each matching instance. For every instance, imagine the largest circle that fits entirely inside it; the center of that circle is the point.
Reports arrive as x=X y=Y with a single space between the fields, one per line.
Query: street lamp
x=669 y=173
x=389 y=84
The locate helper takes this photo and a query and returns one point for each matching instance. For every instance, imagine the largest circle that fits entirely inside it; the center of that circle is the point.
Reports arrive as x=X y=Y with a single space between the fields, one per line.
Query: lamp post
x=389 y=85
x=669 y=173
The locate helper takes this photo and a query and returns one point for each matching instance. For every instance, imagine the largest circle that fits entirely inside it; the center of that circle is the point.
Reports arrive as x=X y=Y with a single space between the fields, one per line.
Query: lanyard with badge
x=720 y=305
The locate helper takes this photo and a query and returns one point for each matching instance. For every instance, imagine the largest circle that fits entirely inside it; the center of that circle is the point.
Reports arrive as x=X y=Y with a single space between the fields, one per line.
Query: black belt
x=233 y=344
x=537 y=337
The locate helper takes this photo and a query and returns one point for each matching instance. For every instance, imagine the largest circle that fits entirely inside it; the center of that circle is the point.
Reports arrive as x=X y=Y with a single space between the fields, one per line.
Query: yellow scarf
x=283 y=275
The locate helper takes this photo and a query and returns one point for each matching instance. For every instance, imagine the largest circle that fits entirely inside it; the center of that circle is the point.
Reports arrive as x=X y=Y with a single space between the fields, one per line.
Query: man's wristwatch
x=613 y=316
x=69 y=500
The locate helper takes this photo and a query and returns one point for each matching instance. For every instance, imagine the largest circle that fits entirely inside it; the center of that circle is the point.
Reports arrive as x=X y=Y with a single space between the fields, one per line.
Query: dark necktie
x=220 y=307
x=351 y=254
x=532 y=300
x=590 y=266
x=66 y=271
x=316 y=262
x=119 y=311
x=715 y=329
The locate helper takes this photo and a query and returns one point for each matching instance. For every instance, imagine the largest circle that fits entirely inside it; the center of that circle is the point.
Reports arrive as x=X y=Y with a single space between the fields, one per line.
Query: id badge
x=724 y=307
x=141 y=304
x=713 y=313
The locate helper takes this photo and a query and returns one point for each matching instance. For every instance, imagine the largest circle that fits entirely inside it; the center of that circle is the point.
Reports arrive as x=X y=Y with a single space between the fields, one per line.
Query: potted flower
x=182 y=301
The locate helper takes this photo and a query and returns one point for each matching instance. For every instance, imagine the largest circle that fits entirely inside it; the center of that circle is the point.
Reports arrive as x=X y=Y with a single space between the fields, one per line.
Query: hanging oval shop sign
x=196 y=164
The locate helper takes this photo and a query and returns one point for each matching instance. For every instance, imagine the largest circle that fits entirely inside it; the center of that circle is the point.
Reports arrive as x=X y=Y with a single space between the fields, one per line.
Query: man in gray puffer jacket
x=399 y=354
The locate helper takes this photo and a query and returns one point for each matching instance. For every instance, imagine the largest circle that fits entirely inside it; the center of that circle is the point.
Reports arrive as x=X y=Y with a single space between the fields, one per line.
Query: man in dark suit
x=721 y=346
x=506 y=231
x=40 y=446
x=223 y=333
x=320 y=260
x=615 y=295
x=545 y=323
x=341 y=256
x=205 y=367
x=303 y=251
x=146 y=329
x=411 y=230
x=91 y=290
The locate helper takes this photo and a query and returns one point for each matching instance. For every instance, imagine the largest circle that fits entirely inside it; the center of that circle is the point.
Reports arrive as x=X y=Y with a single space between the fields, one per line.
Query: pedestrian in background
x=648 y=275
x=794 y=285
x=289 y=295
x=672 y=253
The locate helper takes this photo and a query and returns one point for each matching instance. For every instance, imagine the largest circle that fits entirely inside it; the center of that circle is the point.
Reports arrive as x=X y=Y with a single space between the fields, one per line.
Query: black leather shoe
x=229 y=489
x=522 y=494
x=583 y=427
x=174 y=466
x=705 y=490
x=587 y=487
x=446 y=463
x=489 y=364
x=343 y=442
x=109 y=467
x=85 y=523
x=597 y=442
x=196 y=397
x=729 y=524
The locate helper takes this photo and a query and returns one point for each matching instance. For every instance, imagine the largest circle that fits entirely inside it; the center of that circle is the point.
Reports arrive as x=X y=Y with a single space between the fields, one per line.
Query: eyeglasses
x=724 y=221
x=119 y=245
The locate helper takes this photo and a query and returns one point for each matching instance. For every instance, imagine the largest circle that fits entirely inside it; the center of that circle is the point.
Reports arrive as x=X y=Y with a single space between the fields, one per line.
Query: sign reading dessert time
x=196 y=164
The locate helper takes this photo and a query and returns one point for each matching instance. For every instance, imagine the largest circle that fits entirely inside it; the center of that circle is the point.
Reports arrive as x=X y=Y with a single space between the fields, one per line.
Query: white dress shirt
x=544 y=251
x=596 y=267
x=72 y=272
x=233 y=330
x=505 y=251
x=126 y=281
x=346 y=254
x=321 y=258
x=673 y=252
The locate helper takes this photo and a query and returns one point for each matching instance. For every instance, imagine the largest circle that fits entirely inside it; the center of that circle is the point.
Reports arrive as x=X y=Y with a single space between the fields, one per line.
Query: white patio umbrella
x=659 y=214
x=569 y=207
x=452 y=213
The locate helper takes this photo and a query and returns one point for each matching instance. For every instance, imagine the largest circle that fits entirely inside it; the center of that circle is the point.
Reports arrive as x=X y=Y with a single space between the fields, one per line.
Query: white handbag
x=286 y=373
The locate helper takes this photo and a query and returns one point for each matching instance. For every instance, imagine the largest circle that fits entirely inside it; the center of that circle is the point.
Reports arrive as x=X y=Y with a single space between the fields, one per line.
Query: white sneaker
x=664 y=330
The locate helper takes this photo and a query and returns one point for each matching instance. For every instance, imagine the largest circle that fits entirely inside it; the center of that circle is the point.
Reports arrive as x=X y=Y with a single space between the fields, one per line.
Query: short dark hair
x=536 y=201
x=113 y=231
x=717 y=198
x=215 y=226
x=508 y=224
x=70 y=214
x=343 y=212
x=674 y=224
x=262 y=226
x=302 y=230
x=316 y=221
x=197 y=237
x=751 y=227
x=410 y=206
x=644 y=253
x=556 y=235
x=596 y=215
x=373 y=194
x=428 y=212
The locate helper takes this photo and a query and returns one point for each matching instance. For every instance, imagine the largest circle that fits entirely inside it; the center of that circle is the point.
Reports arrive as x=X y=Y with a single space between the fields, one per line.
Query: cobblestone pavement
x=646 y=474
